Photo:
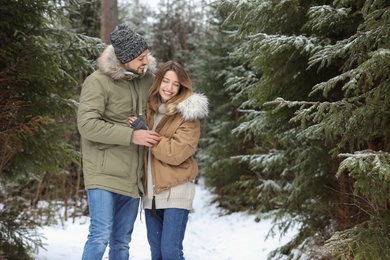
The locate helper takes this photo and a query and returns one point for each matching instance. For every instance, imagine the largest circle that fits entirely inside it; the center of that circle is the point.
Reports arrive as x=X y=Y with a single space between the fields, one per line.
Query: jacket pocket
x=102 y=147
x=120 y=162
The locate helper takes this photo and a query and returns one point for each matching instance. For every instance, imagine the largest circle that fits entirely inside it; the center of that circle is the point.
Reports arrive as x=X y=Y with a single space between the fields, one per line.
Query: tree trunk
x=109 y=19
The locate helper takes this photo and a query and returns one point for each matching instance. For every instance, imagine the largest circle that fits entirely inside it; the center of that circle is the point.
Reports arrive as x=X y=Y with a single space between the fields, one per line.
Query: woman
x=174 y=112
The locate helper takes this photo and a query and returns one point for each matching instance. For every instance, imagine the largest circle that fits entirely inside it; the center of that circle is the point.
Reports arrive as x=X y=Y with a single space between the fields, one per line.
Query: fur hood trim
x=109 y=64
x=194 y=107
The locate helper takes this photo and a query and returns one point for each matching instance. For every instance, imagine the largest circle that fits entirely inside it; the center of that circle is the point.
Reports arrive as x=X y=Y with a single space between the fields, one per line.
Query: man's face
x=138 y=64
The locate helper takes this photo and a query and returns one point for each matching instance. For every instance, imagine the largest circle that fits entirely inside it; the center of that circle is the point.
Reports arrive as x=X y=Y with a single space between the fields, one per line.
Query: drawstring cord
x=154 y=214
x=140 y=210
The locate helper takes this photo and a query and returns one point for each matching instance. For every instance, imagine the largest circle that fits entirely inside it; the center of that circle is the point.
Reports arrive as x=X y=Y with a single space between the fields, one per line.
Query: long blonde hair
x=184 y=92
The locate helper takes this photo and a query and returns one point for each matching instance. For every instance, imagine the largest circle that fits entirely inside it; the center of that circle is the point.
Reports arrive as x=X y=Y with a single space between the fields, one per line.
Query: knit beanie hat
x=127 y=44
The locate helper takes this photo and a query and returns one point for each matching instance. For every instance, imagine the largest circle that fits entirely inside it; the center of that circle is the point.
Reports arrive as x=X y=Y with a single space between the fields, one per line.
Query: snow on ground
x=209 y=236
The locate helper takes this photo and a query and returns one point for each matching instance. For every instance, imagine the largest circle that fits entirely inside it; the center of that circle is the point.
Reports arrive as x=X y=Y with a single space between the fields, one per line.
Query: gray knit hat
x=127 y=44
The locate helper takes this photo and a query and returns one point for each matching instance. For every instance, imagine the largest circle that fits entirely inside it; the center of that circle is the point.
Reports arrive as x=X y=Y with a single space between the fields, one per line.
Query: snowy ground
x=209 y=236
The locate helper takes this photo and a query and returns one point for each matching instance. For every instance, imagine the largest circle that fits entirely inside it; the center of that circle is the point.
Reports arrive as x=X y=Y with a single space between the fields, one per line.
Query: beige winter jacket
x=173 y=162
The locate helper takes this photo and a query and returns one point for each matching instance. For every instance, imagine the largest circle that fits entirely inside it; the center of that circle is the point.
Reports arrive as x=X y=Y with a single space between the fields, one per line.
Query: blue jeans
x=166 y=233
x=112 y=220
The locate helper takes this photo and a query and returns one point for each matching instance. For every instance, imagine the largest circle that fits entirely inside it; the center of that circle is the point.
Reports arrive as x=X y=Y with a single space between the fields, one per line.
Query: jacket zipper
x=136 y=99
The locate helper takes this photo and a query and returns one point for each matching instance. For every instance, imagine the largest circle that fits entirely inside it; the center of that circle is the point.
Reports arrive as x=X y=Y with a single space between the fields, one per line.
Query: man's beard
x=136 y=71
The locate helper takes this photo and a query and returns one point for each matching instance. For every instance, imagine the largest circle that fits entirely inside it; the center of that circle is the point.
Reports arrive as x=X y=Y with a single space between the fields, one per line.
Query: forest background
x=299 y=124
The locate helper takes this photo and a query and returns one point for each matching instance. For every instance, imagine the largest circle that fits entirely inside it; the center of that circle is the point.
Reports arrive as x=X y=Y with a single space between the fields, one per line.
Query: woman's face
x=169 y=86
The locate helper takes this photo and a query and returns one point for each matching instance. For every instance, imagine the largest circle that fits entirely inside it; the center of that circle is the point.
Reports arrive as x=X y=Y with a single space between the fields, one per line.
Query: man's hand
x=137 y=123
x=146 y=138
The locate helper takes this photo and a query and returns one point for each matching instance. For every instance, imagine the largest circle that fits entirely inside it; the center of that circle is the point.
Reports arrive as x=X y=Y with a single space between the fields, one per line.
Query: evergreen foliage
x=219 y=163
x=299 y=125
x=84 y=17
x=138 y=16
x=41 y=64
x=178 y=33
x=315 y=83
x=172 y=31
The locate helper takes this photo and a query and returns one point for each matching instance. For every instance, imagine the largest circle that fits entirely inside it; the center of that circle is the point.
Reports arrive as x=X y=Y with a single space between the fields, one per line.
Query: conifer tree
x=178 y=33
x=317 y=118
x=218 y=165
x=41 y=61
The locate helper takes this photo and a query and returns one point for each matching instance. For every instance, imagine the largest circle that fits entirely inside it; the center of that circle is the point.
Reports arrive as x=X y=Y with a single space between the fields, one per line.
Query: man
x=112 y=151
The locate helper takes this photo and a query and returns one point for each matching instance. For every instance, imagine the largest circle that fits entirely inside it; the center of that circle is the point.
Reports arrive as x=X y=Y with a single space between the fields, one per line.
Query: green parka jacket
x=108 y=97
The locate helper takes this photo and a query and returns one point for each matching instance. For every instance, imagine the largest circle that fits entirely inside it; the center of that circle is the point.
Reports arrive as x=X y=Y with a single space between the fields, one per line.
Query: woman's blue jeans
x=112 y=220
x=166 y=233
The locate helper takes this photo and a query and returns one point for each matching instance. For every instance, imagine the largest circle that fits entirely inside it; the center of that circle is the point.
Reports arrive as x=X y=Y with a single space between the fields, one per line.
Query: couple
x=152 y=160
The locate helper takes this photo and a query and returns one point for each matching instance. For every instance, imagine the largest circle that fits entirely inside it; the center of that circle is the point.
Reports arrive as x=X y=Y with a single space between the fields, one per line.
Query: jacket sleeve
x=180 y=146
x=90 y=121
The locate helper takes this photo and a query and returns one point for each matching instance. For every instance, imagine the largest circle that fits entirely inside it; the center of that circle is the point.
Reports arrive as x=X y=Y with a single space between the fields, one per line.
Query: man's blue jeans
x=166 y=233
x=112 y=220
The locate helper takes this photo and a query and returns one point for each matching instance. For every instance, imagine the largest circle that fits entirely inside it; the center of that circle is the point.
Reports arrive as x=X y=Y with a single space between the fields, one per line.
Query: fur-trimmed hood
x=109 y=64
x=194 y=107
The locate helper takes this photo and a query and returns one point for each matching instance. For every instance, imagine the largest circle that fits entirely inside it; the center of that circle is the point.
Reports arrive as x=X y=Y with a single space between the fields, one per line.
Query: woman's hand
x=146 y=138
